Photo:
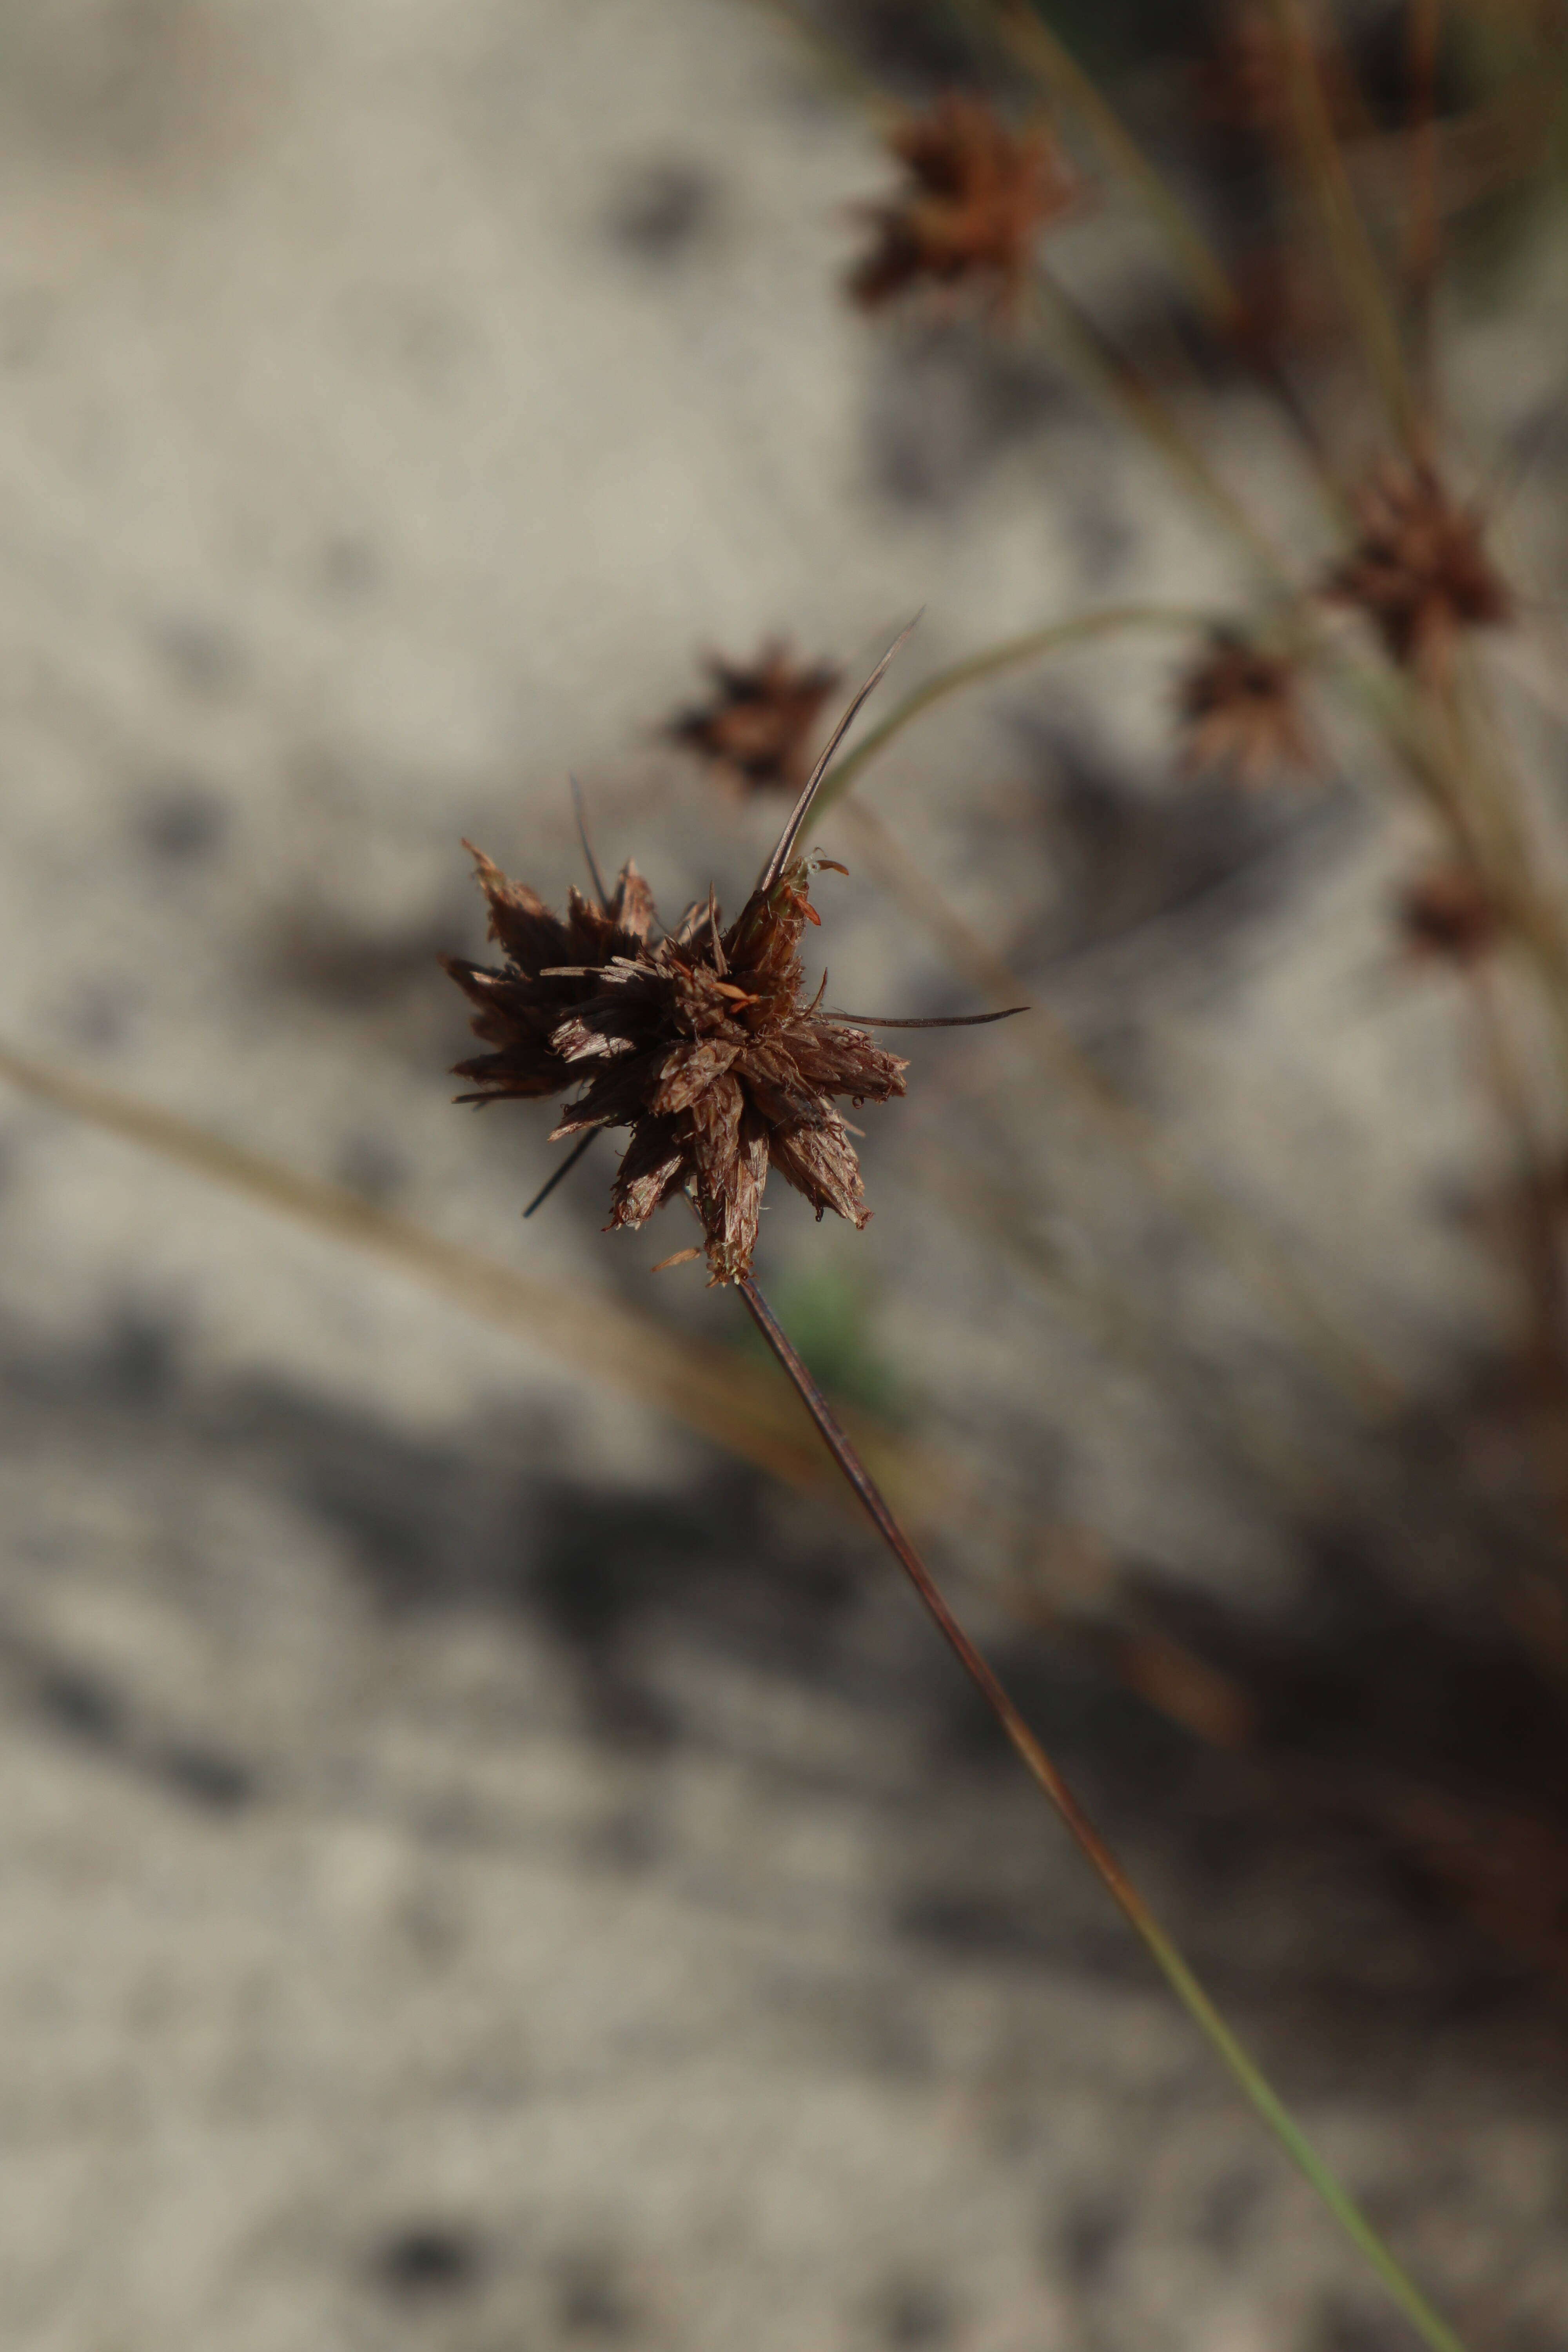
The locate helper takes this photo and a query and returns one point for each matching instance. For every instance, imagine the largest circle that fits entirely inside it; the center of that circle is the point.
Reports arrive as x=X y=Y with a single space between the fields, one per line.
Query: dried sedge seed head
x=756 y=731
x=1240 y=711
x=1446 y=913
x=1419 y=571
x=700 y=1042
x=978 y=194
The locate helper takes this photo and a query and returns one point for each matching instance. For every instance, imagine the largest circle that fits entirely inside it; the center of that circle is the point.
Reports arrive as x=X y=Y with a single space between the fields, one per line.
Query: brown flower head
x=701 y=1043
x=757 y=728
x=1446 y=912
x=978 y=194
x=1240 y=711
x=1419 y=571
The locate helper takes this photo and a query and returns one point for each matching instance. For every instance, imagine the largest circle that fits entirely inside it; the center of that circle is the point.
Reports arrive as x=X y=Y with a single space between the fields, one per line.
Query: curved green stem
x=1245 y=2071
x=1013 y=653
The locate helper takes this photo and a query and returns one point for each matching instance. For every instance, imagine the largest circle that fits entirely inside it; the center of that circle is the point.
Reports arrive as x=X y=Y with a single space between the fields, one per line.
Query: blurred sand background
x=481 y=1870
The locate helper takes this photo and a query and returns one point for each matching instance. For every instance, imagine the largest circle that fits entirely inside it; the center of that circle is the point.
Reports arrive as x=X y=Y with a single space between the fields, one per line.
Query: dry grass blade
x=722 y=1400
x=1044 y=55
x=1222 y=1223
x=1107 y=373
x=1236 y=1238
x=1422 y=239
x=1355 y=262
x=1014 y=653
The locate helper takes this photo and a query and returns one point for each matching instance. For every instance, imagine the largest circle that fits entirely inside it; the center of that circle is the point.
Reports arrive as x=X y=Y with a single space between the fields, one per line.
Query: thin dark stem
x=929 y=1021
x=560 y=1174
x=1422 y=227
x=1433 y=2329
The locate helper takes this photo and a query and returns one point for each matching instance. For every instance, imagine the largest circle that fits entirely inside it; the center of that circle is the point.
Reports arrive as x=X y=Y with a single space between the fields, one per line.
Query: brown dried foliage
x=1419 y=571
x=1240 y=711
x=978 y=195
x=757 y=729
x=700 y=1042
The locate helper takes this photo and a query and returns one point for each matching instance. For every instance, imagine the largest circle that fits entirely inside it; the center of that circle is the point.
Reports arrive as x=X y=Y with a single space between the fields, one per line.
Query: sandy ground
x=479 y=1870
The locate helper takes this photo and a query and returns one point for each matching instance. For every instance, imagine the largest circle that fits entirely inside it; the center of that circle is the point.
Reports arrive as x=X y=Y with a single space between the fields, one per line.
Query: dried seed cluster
x=757 y=728
x=1419 y=570
x=978 y=194
x=699 y=1041
x=1239 y=707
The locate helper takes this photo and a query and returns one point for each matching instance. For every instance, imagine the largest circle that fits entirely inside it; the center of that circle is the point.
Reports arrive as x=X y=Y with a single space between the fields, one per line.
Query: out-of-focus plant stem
x=1423 y=21
x=1355 y=262
x=1221 y=1221
x=1244 y=2069
x=1115 y=379
x=704 y=1387
x=1543 y=1288
x=1013 y=653
x=1046 y=57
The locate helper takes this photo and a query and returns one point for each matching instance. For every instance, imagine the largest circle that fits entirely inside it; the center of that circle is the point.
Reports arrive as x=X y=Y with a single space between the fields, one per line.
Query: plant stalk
x=1349 y=245
x=1097 y=361
x=1042 y=53
x=1422 y=233
x=1433 y=2329
x=1013 y=653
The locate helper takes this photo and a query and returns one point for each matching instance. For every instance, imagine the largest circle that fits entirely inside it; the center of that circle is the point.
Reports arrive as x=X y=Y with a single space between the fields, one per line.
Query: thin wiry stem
x=1046 y=57
x=1118 y=382
x=1355 y=262
x=704 y=1388
x=1236 y=1238
x=1422 y=226
x=559 y=1175
x=1434 y=2330
x=1014 y=653
x=926 y=1020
